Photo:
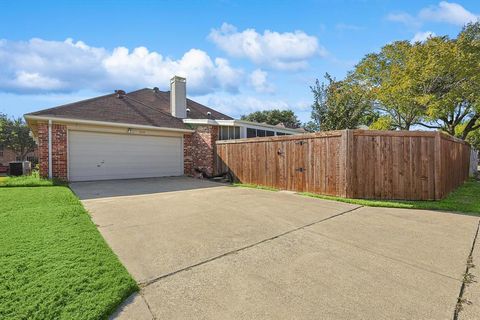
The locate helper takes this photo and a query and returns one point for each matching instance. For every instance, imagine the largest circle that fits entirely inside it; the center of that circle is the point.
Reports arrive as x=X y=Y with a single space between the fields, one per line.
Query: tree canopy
x=339 y=105
x=274 y=117
x=15 y=135
x=433 y=84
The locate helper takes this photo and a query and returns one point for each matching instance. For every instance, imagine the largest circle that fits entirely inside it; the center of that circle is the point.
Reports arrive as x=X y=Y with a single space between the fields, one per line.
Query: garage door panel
x=101 y=156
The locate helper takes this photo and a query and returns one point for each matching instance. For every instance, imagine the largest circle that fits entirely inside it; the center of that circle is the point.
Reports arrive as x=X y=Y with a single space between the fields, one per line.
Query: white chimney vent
x=178 y=97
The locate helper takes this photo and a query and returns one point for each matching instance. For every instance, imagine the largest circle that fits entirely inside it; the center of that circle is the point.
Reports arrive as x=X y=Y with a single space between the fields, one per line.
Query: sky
x=238 y=56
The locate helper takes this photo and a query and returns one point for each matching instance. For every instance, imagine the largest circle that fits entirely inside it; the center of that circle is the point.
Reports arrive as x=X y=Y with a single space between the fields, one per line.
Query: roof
x=142 y=107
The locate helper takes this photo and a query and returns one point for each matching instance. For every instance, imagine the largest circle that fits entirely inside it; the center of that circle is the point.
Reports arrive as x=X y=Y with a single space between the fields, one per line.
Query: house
x=8 y=155
x=144 y=133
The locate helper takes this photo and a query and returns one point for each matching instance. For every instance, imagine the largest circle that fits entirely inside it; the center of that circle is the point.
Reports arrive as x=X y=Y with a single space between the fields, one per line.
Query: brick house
x=8 y=155
x=144 y=133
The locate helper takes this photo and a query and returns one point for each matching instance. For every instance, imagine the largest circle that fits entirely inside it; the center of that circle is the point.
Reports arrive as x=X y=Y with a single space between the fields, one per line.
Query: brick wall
x=59 y=150
x=199 y=150
x=7 y=156
x=187 y=155
x=43 y=149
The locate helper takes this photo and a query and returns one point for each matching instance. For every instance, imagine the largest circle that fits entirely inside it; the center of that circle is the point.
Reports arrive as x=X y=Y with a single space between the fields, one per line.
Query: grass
x=26 y=181
x=466 y=199
x=54 y=264
x=254 y=186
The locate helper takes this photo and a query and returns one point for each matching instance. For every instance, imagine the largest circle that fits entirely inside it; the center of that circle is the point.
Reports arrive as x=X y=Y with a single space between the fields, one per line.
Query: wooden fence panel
x=351 y=163
x=455 y=160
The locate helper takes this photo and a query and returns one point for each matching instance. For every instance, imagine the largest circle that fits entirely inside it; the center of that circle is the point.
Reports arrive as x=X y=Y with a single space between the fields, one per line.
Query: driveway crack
x=467 y=279
x=151 y=281
x=385 y=256
x=148 y=305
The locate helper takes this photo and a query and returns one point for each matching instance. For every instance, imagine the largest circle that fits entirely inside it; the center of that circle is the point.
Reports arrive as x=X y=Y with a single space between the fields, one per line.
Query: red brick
x=59 y=150
x=201 y=150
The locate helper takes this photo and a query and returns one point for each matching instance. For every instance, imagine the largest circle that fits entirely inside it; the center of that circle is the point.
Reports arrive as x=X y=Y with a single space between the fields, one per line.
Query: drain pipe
x=50 y=149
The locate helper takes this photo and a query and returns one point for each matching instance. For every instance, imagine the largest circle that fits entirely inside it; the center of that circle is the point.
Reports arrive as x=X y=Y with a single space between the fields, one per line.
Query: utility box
x=20 y=168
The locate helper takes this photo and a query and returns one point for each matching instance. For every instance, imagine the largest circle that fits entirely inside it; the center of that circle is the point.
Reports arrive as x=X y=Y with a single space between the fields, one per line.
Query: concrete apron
x=234 y=253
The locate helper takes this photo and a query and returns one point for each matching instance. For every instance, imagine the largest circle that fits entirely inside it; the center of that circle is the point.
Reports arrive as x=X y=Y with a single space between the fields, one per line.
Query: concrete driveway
x=202 y=250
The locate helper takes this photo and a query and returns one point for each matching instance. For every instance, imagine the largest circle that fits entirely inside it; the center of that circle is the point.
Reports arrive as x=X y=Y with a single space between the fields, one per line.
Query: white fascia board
x=264 y=126
x=104 y=123
x=201 y=121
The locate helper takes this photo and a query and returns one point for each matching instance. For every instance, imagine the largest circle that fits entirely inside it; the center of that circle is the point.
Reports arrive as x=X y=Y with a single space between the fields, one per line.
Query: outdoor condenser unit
x=19 y=168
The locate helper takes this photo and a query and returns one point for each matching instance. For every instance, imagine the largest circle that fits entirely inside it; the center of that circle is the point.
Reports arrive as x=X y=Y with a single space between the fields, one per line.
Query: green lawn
x=466 y=199
x=54 y=264
x=25 y=181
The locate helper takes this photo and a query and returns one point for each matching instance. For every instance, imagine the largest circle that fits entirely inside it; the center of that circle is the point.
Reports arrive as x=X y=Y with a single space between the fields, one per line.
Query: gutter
x=104 y=123
x=50 y=174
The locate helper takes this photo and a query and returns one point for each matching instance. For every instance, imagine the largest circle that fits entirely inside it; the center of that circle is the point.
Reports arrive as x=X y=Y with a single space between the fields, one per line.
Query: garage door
x=103 y=156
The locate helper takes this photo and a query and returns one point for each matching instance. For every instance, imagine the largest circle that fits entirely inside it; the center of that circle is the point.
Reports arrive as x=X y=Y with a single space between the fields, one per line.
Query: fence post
x=348 y=149
x=438 y=166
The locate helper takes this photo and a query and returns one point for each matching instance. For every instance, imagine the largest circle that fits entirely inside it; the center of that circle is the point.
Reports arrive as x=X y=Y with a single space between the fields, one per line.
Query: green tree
x=339 y=105
x=274 y=117
x=392 y=78
x=474 y=139
x=383 y=123
x=435 y=84
x=451 y=78
x=15 y=135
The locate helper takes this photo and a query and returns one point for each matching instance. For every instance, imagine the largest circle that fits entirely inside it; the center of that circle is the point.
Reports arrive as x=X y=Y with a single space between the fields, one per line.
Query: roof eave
x=29 y=118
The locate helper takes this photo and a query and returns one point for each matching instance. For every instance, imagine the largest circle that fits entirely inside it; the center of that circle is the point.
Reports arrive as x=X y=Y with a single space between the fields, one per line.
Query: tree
x=435 y=84
x=339 y=105
x=474 y=139
x=274 y=117
x=451 y=76
x=392 y=78
x=15 y=135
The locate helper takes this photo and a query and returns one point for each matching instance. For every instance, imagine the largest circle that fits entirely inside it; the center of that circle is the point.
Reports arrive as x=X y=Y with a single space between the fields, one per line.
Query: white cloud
x=445 y=12
x=448 y=12
x=285 y=51
x=259 y=81
x=404 y=18
x=64 y=66
x=422 y=36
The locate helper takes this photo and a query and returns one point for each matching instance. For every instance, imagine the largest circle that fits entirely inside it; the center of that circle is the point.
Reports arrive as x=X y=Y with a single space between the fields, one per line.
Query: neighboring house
x=144 y=133
x=8 y=155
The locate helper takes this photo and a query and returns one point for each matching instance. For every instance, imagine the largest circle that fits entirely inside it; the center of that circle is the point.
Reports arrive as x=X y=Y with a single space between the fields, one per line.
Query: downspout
x=50 y=149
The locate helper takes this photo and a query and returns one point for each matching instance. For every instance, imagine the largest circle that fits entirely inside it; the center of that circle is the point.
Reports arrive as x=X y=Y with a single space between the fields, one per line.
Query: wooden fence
x=410 y=165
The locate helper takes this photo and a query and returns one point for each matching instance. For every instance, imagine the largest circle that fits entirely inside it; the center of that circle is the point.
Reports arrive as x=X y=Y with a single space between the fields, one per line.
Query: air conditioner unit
x=20 y=168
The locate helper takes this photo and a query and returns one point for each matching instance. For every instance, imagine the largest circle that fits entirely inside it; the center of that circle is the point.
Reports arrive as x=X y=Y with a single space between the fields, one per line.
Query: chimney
x=178 y=97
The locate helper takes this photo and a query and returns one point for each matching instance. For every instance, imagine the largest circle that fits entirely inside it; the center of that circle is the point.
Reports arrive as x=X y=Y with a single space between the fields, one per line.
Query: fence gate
x=296 y=159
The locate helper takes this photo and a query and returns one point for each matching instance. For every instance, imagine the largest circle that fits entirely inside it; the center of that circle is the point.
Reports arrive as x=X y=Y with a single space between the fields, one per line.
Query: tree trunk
x=469 y=126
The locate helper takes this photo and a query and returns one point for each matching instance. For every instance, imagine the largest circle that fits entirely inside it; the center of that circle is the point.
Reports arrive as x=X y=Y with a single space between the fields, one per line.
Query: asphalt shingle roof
x=143 y=107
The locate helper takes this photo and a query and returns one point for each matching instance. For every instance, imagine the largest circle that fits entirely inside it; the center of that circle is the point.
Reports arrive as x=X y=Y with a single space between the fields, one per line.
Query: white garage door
x=103 y=156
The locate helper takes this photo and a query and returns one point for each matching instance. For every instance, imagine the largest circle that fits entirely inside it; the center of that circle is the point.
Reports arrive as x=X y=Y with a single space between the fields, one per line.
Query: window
x=251 y=133
x=223 y=133
x=229 y=133
x=1 y=150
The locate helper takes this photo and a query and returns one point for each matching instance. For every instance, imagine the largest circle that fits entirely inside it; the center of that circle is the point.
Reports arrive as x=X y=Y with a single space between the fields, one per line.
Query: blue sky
x=238 y=56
